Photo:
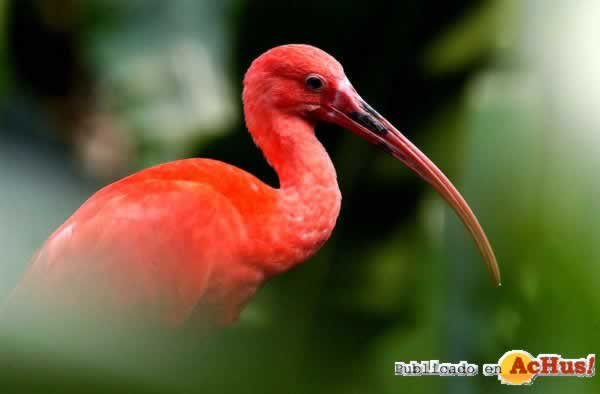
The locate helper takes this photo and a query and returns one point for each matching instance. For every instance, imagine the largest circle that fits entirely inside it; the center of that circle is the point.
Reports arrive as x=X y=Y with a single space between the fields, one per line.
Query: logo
x=515 y=367
x=518 y=367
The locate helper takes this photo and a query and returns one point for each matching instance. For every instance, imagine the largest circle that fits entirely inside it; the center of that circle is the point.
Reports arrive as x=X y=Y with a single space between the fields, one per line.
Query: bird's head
x=297 y=79
x=305 y=81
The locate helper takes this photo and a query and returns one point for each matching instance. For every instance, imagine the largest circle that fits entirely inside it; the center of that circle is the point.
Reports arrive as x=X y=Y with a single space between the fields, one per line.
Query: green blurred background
x=502 y=94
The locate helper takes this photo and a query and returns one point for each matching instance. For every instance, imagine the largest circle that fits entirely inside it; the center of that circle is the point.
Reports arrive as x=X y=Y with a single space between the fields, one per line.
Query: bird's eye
x=314 y=82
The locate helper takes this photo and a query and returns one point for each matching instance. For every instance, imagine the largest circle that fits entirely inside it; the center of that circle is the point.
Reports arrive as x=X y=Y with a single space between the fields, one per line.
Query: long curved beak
x=350 y=111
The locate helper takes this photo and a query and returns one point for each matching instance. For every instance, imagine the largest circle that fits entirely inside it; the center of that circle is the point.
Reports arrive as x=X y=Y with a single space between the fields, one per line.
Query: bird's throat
x=308 y=197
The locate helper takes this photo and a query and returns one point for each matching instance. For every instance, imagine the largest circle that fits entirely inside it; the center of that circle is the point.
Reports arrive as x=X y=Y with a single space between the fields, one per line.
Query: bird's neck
x=308 y=197
x=290 y=146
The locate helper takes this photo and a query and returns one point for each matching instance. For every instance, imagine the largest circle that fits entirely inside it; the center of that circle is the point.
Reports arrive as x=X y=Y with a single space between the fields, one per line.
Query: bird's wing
x=151 y=245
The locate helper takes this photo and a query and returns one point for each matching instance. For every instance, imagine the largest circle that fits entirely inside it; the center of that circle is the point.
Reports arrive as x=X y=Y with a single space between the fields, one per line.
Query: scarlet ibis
x=201 y=236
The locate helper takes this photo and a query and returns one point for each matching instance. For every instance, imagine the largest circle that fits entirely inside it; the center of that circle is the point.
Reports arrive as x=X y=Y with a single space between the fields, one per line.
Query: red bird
x=199 y=236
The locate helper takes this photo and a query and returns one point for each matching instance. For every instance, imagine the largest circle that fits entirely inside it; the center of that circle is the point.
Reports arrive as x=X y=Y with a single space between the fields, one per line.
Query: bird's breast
x=303 y=222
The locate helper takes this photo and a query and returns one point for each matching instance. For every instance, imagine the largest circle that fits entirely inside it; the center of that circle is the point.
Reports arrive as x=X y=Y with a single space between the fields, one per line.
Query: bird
x=194 y=239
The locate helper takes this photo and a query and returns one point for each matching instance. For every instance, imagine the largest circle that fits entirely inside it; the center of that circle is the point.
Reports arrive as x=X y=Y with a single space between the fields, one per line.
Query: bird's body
x=191 y=234
x=199 y=236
